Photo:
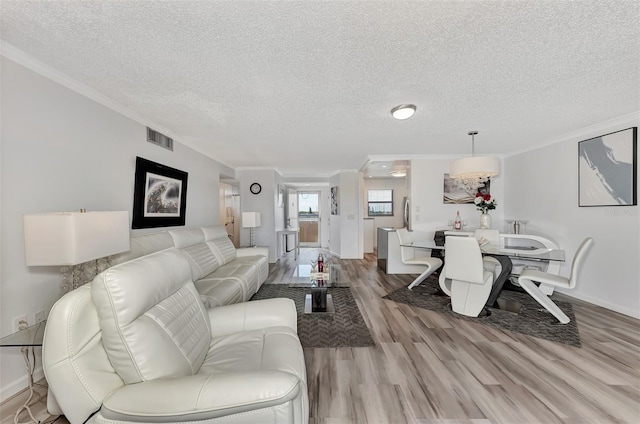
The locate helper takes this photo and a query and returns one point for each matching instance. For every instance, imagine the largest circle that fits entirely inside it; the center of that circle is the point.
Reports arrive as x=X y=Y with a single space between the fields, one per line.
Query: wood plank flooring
x=427 y=368
x=430 y=368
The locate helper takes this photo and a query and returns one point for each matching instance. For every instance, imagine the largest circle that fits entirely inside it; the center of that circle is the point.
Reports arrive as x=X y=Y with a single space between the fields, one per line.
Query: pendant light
x=474 y=171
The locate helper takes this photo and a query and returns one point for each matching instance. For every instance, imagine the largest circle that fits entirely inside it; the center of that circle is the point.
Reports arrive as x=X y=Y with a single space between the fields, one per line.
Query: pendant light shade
x=474 y=171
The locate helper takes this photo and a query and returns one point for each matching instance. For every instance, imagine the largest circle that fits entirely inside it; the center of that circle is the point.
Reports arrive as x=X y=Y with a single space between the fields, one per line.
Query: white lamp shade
x=485 y=166
x=251 y=219
x=71 y=238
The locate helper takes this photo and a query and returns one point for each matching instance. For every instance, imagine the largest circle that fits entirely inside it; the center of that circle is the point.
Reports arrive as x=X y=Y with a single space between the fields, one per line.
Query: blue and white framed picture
x=608 y=169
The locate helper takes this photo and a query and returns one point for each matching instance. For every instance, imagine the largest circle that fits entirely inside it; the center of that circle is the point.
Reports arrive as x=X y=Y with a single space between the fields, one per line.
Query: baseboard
x=17 y=386
x=598 y=302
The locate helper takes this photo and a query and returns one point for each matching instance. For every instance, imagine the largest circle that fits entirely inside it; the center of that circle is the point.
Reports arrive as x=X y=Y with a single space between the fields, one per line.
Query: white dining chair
x=491 y=264
x=529 y=277
x=408 y=257
x=470 y=283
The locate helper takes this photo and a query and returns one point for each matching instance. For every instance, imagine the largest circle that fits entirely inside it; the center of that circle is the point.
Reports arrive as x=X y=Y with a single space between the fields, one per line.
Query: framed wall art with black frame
x=160 y=195
x=608 y=169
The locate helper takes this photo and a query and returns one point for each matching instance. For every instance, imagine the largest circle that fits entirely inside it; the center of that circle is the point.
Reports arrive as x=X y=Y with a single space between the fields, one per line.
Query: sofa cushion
x=220 y=292
x=150 y=305
x=185 y=237
x=266 y=349
x=218 y=239
x=144 y=244
x=201 y=260
x=246 y=273
x=261 y=264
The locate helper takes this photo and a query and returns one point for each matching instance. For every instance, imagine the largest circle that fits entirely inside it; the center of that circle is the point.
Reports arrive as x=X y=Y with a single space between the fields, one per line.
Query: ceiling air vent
x=159 y=139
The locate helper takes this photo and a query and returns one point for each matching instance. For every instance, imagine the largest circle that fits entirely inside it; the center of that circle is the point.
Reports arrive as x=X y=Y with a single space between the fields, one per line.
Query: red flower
x=486 y=197
x=479 y=194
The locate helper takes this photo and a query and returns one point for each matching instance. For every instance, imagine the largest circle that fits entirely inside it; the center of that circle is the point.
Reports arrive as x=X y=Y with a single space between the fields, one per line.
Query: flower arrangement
x=484 y=202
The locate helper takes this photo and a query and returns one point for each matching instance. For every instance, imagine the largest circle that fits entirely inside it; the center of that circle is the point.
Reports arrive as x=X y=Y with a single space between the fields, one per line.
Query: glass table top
x=31 y=336
x=334 y=276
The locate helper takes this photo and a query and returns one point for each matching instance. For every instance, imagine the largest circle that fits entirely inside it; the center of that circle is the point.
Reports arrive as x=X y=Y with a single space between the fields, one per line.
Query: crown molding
x=614 y=124
x=10 y=52
x=16 y=55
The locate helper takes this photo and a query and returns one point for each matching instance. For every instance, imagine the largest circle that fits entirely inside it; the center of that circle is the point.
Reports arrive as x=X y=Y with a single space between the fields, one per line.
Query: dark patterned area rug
x=344 y=328
x=532 y=319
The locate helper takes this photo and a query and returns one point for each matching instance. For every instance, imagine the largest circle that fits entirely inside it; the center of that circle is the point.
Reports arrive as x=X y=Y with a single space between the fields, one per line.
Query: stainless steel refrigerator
x=406 y=213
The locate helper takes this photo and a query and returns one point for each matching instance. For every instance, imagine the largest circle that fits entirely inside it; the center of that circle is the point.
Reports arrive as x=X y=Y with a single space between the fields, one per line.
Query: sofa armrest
x=200 y=397
x=253 y=315
x=252 y=251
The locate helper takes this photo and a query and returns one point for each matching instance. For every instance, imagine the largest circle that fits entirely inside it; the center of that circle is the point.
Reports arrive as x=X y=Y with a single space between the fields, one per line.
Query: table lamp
x=79 y=242
x=251 y=220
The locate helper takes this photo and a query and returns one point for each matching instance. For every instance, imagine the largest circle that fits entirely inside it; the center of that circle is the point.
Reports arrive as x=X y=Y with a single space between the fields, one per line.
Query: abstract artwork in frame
x=160 y=195
x=334 y=200
x=453 y=193
x=608 y=169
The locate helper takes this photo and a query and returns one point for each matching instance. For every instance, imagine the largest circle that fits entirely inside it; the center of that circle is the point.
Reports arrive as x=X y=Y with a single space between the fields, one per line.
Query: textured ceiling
x=307 y=87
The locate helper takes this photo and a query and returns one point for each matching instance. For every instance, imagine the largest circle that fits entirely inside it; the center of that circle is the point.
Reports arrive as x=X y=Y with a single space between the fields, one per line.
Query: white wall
x=428 y=211
x=346 y=227
x=62 y=151
x=263 y=202
x=542 y=186
x=400 y=190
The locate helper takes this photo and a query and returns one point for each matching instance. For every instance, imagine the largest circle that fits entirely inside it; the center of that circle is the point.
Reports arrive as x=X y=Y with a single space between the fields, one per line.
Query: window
x=308 y=204
x=380 y=202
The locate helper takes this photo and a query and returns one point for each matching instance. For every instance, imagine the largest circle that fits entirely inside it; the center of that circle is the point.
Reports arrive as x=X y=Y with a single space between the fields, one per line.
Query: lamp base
x=74 y=276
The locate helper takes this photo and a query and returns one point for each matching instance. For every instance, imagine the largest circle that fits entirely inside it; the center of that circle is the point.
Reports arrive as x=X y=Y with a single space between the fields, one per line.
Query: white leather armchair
x=470 y=283
x=137 y=345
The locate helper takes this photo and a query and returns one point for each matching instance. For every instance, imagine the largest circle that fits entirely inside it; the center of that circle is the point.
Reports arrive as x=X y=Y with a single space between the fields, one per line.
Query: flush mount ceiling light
x=473 y=172
x=402 y=112
x=398 y=173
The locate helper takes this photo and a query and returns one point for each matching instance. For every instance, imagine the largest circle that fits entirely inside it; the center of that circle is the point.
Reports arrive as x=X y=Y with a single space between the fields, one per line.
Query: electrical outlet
x=39 y=317
x=20 y=323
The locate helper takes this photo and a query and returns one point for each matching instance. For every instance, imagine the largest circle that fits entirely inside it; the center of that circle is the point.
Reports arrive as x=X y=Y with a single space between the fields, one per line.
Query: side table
x=26 y=339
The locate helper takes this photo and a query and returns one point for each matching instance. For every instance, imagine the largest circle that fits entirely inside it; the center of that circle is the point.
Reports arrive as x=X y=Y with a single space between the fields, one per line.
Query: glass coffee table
x=319 y=300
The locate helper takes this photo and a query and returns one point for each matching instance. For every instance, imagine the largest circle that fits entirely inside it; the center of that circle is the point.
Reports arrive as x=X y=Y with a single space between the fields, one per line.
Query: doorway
x=230 y=211
x=309 y=218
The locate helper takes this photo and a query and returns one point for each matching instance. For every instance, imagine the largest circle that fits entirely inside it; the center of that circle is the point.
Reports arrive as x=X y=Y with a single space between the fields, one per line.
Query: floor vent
x=159 y=139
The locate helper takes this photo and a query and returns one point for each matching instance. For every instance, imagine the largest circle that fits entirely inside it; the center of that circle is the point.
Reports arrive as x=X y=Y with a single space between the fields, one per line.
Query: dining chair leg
x=421 y=277
x=543 y=300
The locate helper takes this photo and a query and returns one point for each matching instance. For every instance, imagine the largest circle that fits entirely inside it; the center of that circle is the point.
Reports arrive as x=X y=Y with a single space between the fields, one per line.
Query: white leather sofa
x=221 y=273
x=137 y=345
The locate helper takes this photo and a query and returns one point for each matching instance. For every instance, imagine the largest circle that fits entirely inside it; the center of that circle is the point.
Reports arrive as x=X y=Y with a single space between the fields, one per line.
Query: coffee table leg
x=318 y=302
x=318 y=299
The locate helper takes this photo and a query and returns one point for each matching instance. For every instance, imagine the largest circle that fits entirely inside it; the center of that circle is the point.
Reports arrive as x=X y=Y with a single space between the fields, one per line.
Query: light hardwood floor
x=429 y=368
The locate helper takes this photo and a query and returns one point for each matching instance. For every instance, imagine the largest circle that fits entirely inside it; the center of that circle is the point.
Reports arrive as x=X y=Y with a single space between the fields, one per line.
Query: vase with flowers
x=484 y=203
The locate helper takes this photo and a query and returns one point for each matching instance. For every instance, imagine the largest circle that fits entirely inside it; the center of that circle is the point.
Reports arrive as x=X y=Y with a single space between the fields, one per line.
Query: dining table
x=504 y=255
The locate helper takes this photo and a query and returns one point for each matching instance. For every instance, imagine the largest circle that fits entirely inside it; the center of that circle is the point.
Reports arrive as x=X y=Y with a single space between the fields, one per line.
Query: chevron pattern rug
x=532 y=319
x=344 y=328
